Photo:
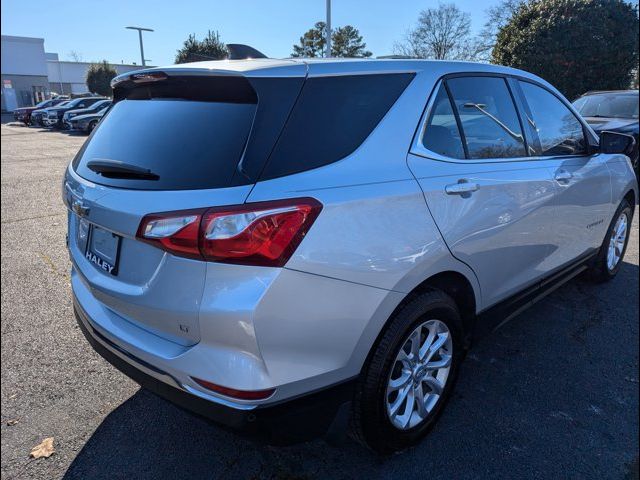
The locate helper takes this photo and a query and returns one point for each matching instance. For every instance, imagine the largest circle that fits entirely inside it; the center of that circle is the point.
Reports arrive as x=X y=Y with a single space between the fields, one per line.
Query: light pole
x=328 y=32
x=140 y=29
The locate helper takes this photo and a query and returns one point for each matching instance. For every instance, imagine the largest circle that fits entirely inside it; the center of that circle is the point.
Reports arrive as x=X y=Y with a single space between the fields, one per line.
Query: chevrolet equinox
x=295 y=248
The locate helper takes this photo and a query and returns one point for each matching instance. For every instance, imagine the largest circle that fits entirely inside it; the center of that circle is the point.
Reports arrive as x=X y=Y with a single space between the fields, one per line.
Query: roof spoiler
x=238 y=51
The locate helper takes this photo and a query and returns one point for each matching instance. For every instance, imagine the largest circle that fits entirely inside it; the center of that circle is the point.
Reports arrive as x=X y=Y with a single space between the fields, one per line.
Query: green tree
x=577 y=45
x=345 y=42
x=312 y=43
x=209 y=48
x=99 y=76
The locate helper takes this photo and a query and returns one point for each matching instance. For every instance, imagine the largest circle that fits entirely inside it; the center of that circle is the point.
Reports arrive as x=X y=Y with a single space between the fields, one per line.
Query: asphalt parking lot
x=553 y=394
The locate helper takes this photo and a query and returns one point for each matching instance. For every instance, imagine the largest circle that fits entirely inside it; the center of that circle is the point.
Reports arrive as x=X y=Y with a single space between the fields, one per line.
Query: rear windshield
x=186 y=144
x=331 y=118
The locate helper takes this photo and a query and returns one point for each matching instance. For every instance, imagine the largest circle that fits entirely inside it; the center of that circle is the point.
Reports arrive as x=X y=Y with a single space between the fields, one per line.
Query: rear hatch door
x=183 y=142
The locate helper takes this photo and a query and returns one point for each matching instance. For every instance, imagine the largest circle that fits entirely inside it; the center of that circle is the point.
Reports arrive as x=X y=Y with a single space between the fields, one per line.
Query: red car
x=24 y=114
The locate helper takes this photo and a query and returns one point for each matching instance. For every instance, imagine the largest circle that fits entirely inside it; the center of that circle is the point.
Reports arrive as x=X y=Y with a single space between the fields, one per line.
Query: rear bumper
x=321 y=413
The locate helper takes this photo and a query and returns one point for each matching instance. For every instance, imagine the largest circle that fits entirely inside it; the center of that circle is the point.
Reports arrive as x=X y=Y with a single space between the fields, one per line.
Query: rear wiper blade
x=119 y=169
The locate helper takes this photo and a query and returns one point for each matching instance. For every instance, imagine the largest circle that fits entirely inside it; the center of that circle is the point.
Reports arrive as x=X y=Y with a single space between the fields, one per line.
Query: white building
x=24 y=71
x=29 y=75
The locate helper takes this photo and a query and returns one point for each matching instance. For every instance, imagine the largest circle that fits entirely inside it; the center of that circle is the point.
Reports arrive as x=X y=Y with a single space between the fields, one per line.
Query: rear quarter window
x=331 y=118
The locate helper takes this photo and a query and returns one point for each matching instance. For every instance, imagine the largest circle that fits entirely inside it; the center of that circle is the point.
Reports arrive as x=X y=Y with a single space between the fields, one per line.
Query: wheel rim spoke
x=419 y=399
x=408 y=409
x=435 y=385
x=444 y=361
x=436 y=345
x=399 y=382
x=400 y=399
x=428 y=342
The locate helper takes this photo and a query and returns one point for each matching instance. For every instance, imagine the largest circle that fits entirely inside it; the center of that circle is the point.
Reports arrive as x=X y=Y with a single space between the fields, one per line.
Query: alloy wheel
x=419 y=374
x=617 y=241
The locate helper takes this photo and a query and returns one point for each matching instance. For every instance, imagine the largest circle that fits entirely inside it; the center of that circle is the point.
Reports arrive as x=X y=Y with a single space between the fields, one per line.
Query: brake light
x=264 y=233
x=232 y=392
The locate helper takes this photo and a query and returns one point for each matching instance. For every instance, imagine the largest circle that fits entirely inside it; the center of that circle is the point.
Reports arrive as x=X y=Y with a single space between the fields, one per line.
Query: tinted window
x=559 y=130
x=332 y=117
x=488 y=117
x=188 y=144
x=608 y=105
x=72 y=103
x=441 y=133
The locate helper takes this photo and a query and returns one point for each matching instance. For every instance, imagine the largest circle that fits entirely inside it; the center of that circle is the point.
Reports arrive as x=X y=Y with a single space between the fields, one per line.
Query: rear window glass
x=332 y=117
x=488 y=117
x=186 y=144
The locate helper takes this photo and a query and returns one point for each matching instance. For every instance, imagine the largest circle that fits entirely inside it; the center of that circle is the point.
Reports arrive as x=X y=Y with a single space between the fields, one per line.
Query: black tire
x=91 y=126
x=599 y=271
x=370 y=424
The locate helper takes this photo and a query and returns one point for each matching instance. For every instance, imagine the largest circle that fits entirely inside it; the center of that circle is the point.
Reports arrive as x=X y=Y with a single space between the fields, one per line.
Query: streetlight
x=140 y=29
x=328 y=32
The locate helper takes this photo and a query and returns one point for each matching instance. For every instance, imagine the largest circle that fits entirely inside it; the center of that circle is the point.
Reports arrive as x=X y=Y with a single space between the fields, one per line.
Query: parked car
x=613 y=111
x=94 y=108
x=38 y=116
x=24 y=114
x=54 y=115
x=86 y=123
x=289 y=247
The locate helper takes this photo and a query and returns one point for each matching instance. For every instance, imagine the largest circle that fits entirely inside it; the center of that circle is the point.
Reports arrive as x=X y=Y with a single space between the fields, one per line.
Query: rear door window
x=441 y=134
x=331 y=118
x=558 y=129
x=489 y=120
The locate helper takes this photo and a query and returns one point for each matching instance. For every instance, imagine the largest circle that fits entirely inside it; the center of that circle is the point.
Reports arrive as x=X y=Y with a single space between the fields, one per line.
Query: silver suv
x=293 y=248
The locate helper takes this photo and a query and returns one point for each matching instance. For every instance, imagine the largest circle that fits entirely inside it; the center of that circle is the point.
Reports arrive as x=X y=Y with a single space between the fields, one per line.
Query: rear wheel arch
x=454 y=284
x=630 y=197
x=459 y=288
x=447 y=297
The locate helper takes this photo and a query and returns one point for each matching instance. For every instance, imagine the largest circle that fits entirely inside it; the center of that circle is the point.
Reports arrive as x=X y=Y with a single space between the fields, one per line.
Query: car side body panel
x=510 y=216
x=584 y=207
x=623 y=179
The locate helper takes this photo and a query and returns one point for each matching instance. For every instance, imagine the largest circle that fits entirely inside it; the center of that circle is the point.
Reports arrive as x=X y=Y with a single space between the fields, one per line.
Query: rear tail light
x=265 y=233
x=233 y=393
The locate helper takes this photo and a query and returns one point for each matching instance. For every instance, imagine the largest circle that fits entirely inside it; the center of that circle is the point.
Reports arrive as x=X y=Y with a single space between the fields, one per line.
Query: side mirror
x=613 y=142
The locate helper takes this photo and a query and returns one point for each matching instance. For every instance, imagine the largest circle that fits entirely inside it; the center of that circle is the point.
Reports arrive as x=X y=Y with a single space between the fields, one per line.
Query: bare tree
x=75 y=56
x=441 y=33
x=497 y=17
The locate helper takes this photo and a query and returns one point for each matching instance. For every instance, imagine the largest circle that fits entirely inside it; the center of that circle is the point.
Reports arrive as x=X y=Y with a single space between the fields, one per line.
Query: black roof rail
x=396 y=57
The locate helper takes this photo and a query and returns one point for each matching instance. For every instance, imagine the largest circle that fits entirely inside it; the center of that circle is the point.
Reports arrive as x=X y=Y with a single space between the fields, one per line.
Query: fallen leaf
x=45 y=449
x=13 y=422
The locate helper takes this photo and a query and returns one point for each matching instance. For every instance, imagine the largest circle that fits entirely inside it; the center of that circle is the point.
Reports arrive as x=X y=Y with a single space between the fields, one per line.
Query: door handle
x=461 y=188
x=563 y=176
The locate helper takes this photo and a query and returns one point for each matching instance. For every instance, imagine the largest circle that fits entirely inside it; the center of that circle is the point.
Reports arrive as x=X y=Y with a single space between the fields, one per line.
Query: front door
x=583 y=200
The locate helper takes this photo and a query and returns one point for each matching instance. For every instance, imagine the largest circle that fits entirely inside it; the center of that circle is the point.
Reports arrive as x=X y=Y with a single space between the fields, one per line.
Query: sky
x=95 y=30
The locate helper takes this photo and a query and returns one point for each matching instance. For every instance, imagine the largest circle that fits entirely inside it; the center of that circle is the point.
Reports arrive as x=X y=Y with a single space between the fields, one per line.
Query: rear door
x=582 y=178
x=492 y=202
